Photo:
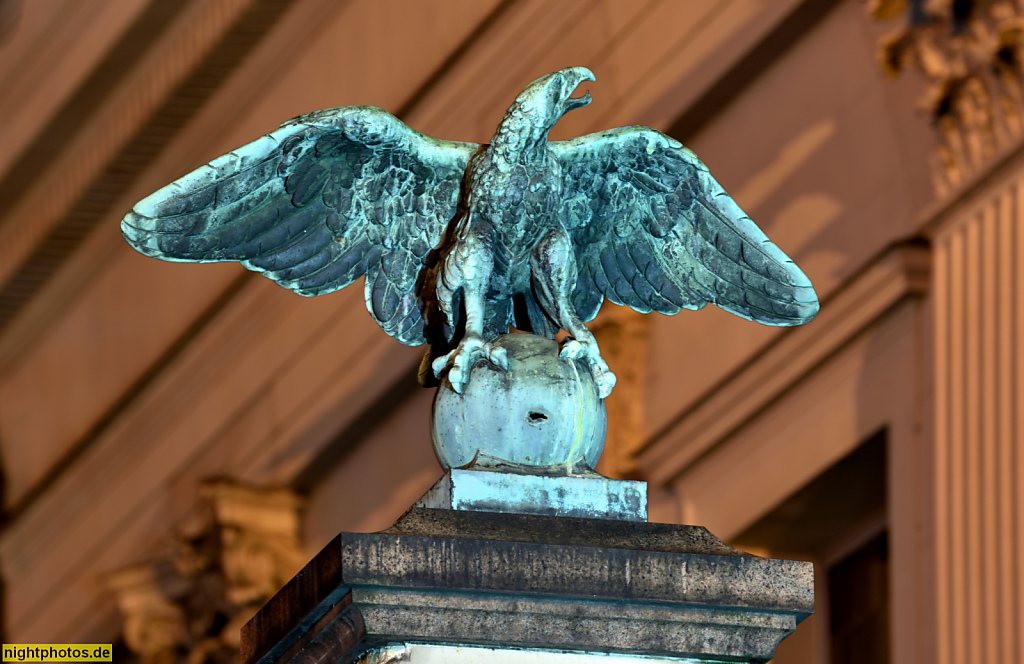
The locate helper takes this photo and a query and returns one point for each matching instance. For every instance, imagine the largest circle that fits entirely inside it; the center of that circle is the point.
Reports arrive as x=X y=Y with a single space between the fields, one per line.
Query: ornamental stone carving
x=970 y=53
x=188 y=607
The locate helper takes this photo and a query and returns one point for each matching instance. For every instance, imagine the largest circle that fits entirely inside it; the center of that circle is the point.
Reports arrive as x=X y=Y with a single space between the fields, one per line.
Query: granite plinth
x=587 y=495
x=532 y=582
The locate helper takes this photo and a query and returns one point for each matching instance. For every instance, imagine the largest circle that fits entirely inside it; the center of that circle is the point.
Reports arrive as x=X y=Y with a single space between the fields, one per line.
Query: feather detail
x=314 y=206
x=660 y=234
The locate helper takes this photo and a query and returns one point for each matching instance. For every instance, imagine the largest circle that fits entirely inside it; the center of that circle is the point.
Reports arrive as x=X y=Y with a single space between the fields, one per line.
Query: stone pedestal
x=581 y=494
x=446 y=585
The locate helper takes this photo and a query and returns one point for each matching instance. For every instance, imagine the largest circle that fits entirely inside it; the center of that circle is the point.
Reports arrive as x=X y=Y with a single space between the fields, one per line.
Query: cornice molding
x=62 y=78
x=59 y=55
x=73 y=274
x=686 y=50
x=901 y=271
x=737 y=73
x=157 y=99
x=1004 y=166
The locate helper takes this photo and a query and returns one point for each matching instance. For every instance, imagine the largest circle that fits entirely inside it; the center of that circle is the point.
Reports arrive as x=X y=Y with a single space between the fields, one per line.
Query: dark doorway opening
x=838 y=522
x=858 y=589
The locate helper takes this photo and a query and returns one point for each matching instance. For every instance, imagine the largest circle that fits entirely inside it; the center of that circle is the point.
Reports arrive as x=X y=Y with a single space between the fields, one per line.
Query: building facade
x=148 y=409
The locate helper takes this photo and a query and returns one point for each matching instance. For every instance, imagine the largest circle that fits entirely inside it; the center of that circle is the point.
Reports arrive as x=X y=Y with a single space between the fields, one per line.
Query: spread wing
x=326 y=198
x=654 y=231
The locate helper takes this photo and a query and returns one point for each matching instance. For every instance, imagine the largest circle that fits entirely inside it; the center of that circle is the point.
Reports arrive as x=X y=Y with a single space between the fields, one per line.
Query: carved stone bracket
x=241 y=547
x=971 y=53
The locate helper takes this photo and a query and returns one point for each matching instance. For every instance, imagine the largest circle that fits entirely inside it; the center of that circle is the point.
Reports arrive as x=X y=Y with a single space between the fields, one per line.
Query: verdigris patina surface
x=539 y=410
x=459 y=240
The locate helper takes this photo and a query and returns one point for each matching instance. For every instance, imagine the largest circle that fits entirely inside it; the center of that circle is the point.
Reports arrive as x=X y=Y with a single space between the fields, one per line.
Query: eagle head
x=549 y=97
x=543 y=103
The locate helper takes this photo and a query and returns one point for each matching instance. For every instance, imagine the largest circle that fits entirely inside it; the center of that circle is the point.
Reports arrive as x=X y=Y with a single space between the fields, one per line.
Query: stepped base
x=526 y=584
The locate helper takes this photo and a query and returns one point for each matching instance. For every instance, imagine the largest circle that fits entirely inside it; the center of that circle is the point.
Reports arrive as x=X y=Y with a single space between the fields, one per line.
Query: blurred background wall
x=176 y=440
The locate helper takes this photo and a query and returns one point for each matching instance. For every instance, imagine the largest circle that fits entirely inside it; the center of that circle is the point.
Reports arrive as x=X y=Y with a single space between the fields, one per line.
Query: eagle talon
x=604 y=379
x=571 y=349
x=498 y=357
x=460 y=362
x=589 y=355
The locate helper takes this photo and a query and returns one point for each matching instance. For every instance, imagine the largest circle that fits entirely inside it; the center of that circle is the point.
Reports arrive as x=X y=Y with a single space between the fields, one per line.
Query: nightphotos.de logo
x=68 y=652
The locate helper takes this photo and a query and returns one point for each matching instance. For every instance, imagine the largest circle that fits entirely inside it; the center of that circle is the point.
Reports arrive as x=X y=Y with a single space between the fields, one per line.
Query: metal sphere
x=543 y=411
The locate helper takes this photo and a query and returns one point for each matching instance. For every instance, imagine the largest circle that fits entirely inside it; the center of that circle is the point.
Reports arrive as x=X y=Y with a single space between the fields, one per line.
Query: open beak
x=573 y=77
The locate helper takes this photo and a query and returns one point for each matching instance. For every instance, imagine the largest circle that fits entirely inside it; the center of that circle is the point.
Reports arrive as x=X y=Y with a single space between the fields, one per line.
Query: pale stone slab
x=436 y=653
x=590 y=496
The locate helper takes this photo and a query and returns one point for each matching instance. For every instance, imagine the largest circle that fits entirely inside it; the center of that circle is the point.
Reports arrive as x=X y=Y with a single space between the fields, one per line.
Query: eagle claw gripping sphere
x=543 y=411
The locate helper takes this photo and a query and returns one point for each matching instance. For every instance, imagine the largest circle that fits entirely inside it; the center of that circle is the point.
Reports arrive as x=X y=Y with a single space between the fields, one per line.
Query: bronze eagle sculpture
x=458 y=241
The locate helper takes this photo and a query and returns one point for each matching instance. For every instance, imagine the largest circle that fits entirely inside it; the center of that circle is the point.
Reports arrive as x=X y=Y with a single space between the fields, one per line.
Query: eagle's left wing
x=654 y=231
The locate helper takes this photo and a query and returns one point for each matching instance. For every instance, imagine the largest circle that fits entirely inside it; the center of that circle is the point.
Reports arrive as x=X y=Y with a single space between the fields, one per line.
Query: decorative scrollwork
x=189 y=607
x=971 y=54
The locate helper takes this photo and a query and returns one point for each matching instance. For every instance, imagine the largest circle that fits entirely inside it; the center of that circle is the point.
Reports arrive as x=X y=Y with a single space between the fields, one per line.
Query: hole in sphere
x=536 y=418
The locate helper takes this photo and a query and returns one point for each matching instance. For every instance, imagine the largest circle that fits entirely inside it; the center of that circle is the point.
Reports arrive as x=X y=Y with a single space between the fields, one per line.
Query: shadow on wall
x=10 y=16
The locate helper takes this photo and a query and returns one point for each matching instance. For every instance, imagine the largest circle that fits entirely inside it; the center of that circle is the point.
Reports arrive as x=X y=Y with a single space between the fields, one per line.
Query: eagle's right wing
x=326 y=198
x=654 y=231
